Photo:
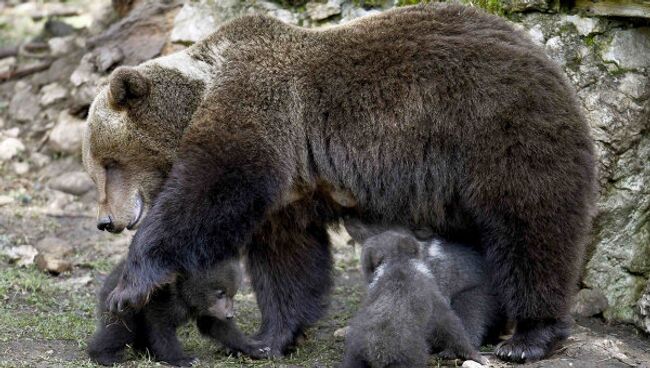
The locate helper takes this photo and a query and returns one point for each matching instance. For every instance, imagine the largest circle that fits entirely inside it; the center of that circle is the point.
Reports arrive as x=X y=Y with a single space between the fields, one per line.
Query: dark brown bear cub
x=206 y=297
x=406 y=311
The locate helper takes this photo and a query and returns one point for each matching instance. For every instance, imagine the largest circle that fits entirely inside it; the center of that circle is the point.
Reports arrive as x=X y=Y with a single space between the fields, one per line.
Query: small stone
x=7 y=64
x=52 y=93
x=319 y=11
x=629 y=48
x=60 y=46
x=524 y=5
x=22 y=255
x=75 y=183
x=54 y=246
x=192 y=23
x=67 y=134
x=12 y=133
x=584 y=25
x=342 y=332
x=20 y=168
x=39 y=160
x=47 y=262
x=589 y=302
x=76 y=283
x=9 y=148
x=536 y=34
x=108 y=57
x=24 y=104
x=5 y=200
x=471 y=364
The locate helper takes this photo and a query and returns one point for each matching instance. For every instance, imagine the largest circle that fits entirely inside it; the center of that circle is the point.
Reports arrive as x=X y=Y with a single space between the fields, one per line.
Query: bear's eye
x=220 y=294
x=111 y=165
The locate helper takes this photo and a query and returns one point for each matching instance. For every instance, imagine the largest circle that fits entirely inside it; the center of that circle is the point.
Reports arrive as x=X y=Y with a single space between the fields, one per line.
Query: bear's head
x=133 y=131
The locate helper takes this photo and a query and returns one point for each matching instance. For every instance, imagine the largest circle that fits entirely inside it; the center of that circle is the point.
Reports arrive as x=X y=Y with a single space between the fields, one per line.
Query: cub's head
x=391 y=245
x=212 y=293
x=133 y=131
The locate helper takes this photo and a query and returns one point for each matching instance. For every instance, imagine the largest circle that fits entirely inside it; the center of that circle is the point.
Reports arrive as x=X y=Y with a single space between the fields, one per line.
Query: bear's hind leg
x=535 y=268
x=291 y=273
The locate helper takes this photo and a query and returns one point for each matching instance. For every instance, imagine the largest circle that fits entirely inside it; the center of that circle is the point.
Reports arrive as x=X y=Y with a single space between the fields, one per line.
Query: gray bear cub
x=423 y=296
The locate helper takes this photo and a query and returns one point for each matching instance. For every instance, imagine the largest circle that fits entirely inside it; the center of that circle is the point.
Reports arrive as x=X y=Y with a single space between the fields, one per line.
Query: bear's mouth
x=138 y=209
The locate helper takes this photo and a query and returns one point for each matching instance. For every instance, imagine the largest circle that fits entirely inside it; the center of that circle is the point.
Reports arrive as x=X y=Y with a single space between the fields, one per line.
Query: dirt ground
x=45 y=319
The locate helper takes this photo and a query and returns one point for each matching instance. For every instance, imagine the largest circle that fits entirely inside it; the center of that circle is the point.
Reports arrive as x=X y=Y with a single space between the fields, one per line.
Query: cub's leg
x=228 y=334
x=291 y=273
x=449 y=333
x=107 y=345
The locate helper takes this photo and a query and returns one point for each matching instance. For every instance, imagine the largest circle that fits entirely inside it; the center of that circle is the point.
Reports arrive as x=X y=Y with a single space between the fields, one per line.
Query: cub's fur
x=460 y=274
x=436 y=116
x=405 y=311
x=206 y=297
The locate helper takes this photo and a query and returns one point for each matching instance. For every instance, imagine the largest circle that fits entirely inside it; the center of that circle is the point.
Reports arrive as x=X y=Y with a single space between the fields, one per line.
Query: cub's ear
x=127 y=87
x=371 y=258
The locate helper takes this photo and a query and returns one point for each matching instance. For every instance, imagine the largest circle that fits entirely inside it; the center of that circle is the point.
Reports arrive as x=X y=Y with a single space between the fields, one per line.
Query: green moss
x=491 y=6
x=411 y=2
x=369 y=3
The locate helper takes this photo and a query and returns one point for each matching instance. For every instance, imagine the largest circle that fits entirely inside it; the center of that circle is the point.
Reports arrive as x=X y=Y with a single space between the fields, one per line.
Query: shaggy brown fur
x=434 y=116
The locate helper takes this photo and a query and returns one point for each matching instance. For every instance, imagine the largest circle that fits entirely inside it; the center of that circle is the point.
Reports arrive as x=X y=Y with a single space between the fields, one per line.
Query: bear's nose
x=105 y=223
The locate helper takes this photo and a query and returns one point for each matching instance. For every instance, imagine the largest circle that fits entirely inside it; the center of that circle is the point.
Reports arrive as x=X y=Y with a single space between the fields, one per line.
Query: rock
x=24 y=104
x=9 y=148
x=5 y=200
x=342 y=332
x=643 y=317
x=107 y=57
x=54 y=246
x=635 y=85
x=320 y=11
x=67 y=134
x=514 y=6
x=85 y=72
x=589 y=302
x=630 y=48
x=11 y=133
x=75 y=183
x=192 y=23
x=2 y=122
x=7 y=64
x=76 y=283
x=52 y=93
x=536 y=34
x=39 y=160
x=49 y=263
x=20 y=168
x=585 y=25
x=22 y=255
x=60 y=46
x=471 y=364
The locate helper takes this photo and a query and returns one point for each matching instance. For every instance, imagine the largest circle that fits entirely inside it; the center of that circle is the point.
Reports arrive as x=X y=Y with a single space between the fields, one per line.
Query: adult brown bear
x=438 y=116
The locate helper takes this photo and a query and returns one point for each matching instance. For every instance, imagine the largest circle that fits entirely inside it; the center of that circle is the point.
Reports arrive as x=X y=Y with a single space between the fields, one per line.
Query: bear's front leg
x=218 y=191
x=290 y=264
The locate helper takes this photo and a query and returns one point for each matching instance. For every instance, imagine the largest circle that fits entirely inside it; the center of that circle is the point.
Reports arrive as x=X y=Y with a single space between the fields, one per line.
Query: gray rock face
x=630 y=49
x=192 y=23
x=524 y=5
x=320 y=11
x=589 y=303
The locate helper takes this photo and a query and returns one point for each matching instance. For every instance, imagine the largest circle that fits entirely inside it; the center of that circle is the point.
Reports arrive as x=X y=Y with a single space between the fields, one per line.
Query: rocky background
x=55 y=54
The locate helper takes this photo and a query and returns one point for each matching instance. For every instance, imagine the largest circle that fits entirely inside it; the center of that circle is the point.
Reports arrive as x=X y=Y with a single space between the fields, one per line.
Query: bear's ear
x=127 y=87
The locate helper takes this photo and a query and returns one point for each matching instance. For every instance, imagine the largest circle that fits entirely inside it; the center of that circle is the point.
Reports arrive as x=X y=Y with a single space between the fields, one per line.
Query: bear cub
x=204 y=297
x=423 y=296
